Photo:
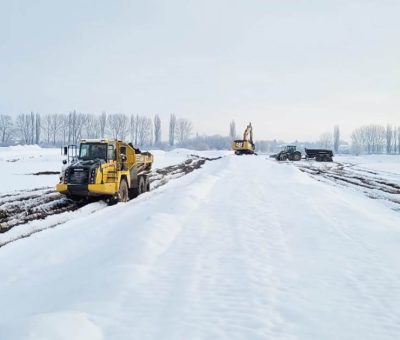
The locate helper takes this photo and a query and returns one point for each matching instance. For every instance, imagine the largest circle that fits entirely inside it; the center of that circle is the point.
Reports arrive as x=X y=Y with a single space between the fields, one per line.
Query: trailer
x=320 y=155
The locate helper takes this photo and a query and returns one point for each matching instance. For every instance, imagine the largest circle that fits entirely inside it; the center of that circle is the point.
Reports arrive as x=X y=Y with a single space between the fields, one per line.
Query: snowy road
x=244 y=248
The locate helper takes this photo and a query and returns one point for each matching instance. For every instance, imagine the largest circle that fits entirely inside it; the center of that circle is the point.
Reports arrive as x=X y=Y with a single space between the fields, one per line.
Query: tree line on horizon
x=70 y=128
x=144 y=131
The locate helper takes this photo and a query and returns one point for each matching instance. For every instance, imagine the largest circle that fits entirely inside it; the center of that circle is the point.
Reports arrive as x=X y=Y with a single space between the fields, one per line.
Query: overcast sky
x=292 y=67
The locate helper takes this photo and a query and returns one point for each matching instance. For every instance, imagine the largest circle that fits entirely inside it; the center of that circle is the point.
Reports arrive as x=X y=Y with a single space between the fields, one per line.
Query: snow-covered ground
x=18 y=163
x=244 y=248
x=386 y=163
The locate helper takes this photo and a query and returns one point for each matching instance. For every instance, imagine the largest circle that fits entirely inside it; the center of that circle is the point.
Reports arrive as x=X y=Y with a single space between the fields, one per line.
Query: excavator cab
x=246 y=145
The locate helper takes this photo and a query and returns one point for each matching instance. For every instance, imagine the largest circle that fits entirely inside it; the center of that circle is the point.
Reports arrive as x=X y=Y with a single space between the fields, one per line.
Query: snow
x=386 y=163
x=17 y=163
x=245 y=248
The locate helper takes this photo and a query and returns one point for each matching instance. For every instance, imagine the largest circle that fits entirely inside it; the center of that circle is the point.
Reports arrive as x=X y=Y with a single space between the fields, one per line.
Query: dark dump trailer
x=320 y=155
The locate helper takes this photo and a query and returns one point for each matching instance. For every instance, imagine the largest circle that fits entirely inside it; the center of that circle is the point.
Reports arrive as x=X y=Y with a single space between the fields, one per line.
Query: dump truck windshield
x=93 y=151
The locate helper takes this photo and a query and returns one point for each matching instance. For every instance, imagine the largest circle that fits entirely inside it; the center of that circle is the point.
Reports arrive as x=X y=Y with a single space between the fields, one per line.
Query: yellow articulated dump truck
x=111 y=169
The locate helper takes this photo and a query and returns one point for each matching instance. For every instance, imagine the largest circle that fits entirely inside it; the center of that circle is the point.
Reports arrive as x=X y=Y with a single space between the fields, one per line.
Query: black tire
x=147 y=184
x=141 y=185
x=283 y=157
x=296 y=157
x=75 y=198
x=123 y=193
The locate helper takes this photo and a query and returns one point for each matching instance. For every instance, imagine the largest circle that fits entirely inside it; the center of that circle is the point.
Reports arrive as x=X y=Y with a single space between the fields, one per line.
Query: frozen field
x=241 y=248
x=383 y=163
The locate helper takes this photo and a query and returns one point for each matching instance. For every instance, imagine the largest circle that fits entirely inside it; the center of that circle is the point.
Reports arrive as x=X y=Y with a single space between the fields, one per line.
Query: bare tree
x=398 y=140
x=357 y=141
x=63 y=128
x=55 y=126
x=336 y=138
x=232 y=130
x=118 y=125
x=32 y=125
x=369 y=138
x=172 y=130
x=157 y=130
x=144 y=130
x=6 y=126
x=92 y=126
x=376 y=138
x=24 y=126
x=389 y=136
x=103 y=124
x=183 y=130
x=325 y=140
x=132 y=128
x=46 y=127
x=37 y=128
x=75 y=126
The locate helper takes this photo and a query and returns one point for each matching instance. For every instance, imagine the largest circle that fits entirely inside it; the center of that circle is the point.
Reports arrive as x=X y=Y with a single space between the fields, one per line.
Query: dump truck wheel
x=123 y=191
x=141 y=185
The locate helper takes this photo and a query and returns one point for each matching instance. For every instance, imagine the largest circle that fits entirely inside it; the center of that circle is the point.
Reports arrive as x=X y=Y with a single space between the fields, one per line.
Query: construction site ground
x=222 y=247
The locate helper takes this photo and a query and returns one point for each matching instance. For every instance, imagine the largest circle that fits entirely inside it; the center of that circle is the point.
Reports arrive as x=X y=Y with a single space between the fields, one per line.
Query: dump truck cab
x=106 y=168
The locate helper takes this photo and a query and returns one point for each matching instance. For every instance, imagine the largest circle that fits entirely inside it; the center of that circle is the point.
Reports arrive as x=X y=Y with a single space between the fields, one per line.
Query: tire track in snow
x=20 y=208
x=216 y=269
x=371 y=183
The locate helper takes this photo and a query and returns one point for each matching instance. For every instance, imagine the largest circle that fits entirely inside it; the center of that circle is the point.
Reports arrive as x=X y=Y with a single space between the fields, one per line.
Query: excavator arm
x=248 y=133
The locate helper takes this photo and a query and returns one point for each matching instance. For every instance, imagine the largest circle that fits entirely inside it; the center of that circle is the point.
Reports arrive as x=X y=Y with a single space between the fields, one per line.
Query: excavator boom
x=246 y=145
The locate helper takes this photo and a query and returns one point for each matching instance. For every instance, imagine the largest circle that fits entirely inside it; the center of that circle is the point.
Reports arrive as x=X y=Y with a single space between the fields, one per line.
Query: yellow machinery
x=106 y=168
x=246 y=145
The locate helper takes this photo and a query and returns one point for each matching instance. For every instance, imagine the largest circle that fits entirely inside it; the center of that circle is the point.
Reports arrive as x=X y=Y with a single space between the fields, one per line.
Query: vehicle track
x=24 y=206
x=371 y=183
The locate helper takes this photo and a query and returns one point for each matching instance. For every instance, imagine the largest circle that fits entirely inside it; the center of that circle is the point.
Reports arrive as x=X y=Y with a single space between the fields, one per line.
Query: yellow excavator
x=246 y=145
x=110 y=169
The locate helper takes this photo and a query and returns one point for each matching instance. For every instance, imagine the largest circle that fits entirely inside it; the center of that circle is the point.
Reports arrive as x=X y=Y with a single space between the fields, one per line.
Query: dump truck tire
x=123 y=193
x=147 y=184
x=141 y=185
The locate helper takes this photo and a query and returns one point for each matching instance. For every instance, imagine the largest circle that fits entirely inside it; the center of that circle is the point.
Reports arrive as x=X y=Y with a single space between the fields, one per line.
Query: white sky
x=292 y=67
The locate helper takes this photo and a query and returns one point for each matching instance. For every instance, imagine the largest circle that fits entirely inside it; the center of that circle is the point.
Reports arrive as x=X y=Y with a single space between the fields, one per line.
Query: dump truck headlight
x=92 y=176
x=66 y=175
